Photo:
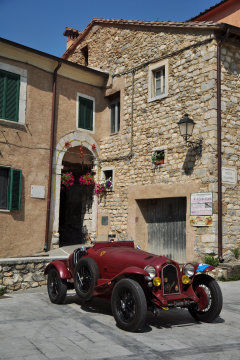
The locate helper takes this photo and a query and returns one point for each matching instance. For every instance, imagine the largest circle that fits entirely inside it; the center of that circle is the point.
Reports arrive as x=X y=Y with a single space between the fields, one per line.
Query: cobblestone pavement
x=31 y=328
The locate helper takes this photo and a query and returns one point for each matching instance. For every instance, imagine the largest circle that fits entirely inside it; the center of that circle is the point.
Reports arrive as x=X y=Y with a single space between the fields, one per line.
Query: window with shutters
x=10 y=188
x=13 y=83
x=9 y=95
x=86 y=112
x=158 y=81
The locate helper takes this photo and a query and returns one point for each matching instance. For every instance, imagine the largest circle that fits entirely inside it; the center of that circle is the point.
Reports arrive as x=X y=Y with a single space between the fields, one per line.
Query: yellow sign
x=201 y=220
x=102 y=253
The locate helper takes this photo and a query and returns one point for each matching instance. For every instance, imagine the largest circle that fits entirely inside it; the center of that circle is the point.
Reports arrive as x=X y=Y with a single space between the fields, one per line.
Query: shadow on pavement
x=165 y=320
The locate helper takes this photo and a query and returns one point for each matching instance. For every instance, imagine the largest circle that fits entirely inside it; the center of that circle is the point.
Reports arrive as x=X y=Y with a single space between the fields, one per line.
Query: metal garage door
x=166 y=220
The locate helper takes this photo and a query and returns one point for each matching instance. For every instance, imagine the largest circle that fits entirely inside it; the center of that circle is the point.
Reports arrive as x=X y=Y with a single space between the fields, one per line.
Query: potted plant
x=158 y=157
x=102 y=188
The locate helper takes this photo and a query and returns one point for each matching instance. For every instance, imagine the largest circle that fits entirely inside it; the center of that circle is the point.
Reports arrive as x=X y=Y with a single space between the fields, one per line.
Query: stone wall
x=21 y=274
x=230 y=143
x=192 y=65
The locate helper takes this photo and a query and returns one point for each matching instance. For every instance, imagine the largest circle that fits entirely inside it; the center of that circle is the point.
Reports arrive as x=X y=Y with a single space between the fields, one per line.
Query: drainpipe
x=219 y=143
x=52 y=135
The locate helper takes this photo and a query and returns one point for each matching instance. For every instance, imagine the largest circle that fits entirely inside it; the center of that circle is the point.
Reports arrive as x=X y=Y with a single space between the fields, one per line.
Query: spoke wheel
x=85 y=278
x=129 y=305
x=57 y=287
x=210 y=299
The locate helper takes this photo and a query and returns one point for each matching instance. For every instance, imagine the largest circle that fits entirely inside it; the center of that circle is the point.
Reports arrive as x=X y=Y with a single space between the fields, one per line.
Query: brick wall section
x=192 y=89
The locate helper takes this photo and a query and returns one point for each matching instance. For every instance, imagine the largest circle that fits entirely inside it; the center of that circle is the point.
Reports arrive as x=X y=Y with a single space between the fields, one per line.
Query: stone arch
x=72 y=139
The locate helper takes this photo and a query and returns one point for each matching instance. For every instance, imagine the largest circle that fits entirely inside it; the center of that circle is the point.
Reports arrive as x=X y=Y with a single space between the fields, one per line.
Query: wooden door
x=166 y=222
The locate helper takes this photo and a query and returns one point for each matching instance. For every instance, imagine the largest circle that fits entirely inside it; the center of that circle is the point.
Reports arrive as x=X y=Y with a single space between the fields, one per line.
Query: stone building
x=189 y=205
x=40 y=112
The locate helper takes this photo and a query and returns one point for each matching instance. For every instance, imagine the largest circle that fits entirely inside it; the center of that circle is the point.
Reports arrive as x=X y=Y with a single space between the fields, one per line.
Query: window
x=10 y=188
x=85 y=55
x=158 y=81
x=85 y=112
x=9 y=95
x=13 y=84
x=108 y=177
x=115 y=116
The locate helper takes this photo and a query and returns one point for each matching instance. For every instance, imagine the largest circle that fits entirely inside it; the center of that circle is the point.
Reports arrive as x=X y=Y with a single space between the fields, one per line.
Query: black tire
x=85 y=278
x=57 y=287
x=129 y=305
x=210 y=295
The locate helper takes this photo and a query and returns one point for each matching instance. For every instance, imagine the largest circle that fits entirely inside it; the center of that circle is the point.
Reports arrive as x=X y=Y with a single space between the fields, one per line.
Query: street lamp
x=186 y=126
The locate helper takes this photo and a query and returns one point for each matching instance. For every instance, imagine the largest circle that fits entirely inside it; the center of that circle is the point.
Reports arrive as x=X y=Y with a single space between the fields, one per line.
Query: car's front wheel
x=210 y=299
x=85 y=278
x=57 y=287
x=129 y=305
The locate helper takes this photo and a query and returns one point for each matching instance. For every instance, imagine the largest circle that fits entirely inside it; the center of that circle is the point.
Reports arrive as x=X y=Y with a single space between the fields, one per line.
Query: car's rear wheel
x=85 y=278
x=57 y=287
x=129 y=305
x=210 y=299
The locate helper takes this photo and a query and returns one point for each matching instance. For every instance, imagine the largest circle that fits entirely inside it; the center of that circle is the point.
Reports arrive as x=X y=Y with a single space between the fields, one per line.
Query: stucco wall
x=26 y=147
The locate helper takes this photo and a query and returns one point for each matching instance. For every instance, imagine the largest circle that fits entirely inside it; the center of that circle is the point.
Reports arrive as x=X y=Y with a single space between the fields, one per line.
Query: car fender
x=133 y=270
x=203 y=268
x=61 y=267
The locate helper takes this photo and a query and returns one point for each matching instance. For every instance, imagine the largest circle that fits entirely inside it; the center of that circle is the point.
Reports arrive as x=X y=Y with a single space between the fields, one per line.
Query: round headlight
x=188 y=270
x=151 y=271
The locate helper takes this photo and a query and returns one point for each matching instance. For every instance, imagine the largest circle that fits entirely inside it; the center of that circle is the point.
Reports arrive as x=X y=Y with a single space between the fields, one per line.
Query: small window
x=10 y=188
x=85 y=55
x=9 y=95
x=158 y=81
x=158 y=157
x=108 y=178
x=115 y=116
x=85 y=113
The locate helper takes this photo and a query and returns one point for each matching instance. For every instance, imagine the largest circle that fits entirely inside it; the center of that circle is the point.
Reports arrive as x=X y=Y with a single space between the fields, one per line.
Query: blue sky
x=40 y=23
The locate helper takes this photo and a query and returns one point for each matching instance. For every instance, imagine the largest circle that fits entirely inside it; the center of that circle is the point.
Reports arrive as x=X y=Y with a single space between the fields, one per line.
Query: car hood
x=115 y=259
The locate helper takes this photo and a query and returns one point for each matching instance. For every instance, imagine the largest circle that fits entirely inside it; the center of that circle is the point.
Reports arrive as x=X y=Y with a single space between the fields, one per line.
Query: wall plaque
x=38 y=192
x=104 y=220
x=229 y=176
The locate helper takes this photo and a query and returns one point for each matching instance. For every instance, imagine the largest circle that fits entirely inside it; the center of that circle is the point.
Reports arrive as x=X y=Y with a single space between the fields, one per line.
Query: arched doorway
x=76 y=199
x=67 y=156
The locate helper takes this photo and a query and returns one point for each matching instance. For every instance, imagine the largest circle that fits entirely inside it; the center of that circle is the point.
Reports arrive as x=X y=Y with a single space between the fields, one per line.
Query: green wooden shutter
x=15 y=189
x=85 y=120
x=12 y=97
x=9 y=95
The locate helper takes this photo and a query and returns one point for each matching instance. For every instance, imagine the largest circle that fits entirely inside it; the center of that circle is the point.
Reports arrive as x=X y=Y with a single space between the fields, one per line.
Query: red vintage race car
x=136 y=281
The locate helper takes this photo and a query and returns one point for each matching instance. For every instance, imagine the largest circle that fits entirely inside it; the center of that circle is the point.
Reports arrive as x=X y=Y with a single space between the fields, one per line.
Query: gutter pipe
x=52 y=135
x=219 y=143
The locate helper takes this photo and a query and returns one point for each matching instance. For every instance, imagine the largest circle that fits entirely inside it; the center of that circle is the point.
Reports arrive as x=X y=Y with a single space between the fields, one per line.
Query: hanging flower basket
x=100 y=190
x=67 y=180
x=87 y=180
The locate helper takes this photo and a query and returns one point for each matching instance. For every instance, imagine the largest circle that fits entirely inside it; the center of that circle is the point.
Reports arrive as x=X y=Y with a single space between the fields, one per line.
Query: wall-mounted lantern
x=186 y=126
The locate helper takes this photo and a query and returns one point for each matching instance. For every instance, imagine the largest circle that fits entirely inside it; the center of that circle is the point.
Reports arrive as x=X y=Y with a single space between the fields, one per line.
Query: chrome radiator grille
x=170 y=280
